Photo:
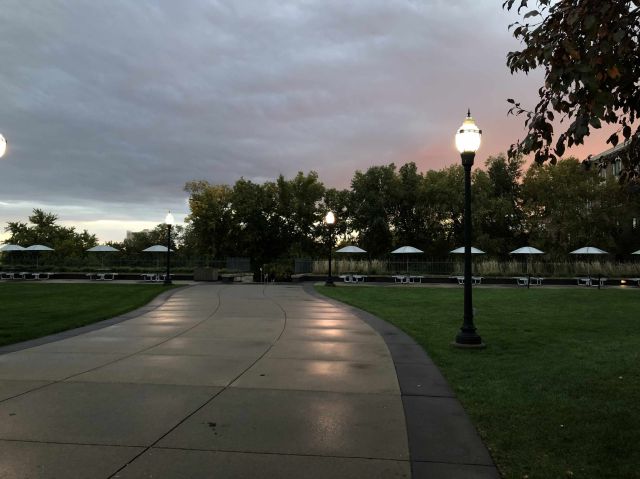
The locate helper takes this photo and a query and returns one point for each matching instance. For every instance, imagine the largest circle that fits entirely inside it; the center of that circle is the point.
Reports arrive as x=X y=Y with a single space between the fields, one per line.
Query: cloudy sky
x=110 y=106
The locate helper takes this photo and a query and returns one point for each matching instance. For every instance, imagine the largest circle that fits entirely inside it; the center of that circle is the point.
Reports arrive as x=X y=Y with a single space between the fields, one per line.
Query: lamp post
x=467 y=142
x=3 y=146
x=169 y=221
x=330 y=219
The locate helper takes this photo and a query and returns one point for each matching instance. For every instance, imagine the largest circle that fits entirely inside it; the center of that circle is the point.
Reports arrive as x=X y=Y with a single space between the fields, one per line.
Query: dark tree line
x=554 y=207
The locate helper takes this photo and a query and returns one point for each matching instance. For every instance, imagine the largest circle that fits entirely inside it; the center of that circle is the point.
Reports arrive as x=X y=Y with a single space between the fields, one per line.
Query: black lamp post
x=169 y=221
x=330 y=220
x=467 y=142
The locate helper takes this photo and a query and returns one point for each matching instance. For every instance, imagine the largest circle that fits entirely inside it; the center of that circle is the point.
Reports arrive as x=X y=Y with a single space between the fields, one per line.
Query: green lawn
x=556 y=393
x=31 y=310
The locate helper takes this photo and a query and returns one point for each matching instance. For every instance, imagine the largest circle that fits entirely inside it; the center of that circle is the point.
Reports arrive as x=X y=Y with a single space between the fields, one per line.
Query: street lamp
x=467 y=142
x=169 y=221
x=3 y=146
x=330 y=219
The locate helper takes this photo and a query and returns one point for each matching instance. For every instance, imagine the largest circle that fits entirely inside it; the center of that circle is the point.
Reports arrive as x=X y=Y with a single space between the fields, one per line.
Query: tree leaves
x=590 y=54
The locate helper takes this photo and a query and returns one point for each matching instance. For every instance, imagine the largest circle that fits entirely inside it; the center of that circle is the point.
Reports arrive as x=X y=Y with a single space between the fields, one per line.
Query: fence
x=119 y=262
x=485 y=267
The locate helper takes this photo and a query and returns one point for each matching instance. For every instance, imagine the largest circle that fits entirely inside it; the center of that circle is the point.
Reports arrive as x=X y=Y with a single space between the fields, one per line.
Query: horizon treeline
x=556 y=208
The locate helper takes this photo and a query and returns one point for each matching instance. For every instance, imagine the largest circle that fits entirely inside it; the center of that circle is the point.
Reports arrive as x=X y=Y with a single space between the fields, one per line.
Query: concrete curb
x=443 y=443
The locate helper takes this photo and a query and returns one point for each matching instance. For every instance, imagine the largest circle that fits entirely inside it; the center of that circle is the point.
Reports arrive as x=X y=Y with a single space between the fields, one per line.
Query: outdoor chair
x=347 y=278
x=522 y=280
x=359 y=278
x=150 y=277
x=7 y=275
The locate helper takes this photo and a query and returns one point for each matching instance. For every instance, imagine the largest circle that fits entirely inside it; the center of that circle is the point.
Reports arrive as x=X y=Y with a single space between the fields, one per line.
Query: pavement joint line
x=270 y=453
x=63 y=443
x=224 y=388
x=315 y=391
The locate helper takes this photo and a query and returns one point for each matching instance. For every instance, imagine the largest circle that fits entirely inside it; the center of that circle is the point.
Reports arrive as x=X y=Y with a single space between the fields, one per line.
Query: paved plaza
x=234 y=381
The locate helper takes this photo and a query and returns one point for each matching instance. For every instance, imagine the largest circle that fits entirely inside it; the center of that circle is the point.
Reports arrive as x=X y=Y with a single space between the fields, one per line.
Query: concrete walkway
x=232 y=382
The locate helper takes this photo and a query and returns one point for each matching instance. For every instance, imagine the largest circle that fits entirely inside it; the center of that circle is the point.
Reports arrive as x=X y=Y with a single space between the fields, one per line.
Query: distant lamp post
x=169 y=221
x=330 y=220
x=3 y=146
x=467 y=142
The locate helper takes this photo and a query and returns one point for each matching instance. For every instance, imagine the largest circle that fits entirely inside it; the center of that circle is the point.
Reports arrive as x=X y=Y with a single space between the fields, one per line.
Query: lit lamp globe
x=330 y=218
x=468 y=139
x=3 y=146
x=169 y=220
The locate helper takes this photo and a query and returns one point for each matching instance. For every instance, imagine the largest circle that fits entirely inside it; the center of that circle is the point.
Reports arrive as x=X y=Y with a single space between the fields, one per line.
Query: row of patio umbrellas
x=7 y=248
x=96 y=249
x=523 y=250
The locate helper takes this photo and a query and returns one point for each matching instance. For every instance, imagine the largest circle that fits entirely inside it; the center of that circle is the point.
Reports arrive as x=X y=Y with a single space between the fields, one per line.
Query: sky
x=110 y=106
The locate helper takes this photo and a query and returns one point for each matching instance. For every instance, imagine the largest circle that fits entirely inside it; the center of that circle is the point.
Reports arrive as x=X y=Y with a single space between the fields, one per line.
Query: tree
x=444 y=203
x=497 y=212
x=374 y=194
x=567 y=207
x=590 y=53
x=211 y=219
x=44 y=230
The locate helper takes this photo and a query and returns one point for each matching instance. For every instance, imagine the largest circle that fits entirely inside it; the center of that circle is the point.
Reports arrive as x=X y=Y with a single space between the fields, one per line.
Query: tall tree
x=43 y=228
x=590 y=53
x=497 y=212
x=211 y=217
x=374 y=206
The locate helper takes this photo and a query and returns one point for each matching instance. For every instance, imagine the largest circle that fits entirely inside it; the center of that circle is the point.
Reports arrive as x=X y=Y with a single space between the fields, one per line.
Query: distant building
x=610 y=163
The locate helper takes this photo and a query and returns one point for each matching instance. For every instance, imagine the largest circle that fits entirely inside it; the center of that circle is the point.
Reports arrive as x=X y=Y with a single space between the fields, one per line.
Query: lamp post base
x=468 y=340
x=329 y=282
x=468 y=346
x=167 y=282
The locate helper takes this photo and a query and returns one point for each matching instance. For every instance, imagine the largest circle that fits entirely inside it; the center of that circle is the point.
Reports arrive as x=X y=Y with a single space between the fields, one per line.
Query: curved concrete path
x=220 y=381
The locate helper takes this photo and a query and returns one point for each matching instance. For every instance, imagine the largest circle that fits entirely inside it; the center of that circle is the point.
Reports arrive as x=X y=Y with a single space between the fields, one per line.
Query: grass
x=29 y=311
x=556 y=394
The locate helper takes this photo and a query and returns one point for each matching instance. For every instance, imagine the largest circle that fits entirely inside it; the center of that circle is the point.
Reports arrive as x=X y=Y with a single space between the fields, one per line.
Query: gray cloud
x=115 y=105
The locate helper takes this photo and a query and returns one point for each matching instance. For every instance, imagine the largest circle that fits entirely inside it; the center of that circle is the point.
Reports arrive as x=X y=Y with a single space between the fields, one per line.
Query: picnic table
x=528 y=280
x=474 y=279
x=599 y=281
x=102 y=276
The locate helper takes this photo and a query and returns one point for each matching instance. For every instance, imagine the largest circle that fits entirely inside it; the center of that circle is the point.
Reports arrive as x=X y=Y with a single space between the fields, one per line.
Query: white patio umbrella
x=157 y=248
x=37 y=248
x=11 y=248
x=588 y=250
x=527 y=250
x=407 y=250
x=350 y=249
x=461 y=250
x=636 y=252
x=7 y=248
x=103 y=249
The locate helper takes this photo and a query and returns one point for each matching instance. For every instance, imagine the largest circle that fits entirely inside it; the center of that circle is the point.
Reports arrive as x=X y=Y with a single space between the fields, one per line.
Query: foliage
x=590 y=53
x=567 y=207
x=43 y=229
